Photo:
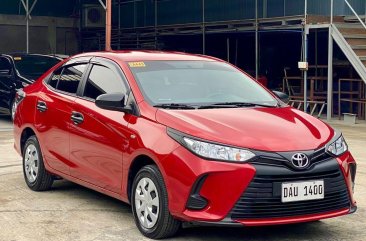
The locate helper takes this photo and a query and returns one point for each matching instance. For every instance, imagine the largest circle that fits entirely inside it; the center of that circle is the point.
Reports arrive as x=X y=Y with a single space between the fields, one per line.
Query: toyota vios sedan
x=182 y=138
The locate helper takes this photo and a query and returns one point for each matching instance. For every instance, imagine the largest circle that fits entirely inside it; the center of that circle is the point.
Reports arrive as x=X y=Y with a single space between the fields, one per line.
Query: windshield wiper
x=235 y=105
x=175 y=106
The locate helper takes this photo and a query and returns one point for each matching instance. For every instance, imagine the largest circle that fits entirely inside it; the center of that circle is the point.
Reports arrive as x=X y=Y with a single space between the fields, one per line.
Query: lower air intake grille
x=262 y=199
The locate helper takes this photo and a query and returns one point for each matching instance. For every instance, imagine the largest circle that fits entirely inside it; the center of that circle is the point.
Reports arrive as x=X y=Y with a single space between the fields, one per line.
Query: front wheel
x=150 y=205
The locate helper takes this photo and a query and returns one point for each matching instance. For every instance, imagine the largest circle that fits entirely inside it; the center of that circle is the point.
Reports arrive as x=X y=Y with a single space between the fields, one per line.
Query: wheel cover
x=31 y=163
x=147 y=202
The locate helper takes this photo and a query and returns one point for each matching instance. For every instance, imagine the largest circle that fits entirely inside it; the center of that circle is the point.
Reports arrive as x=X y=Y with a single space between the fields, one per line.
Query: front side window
x=103 y=80
x=197 y=83
x=70 y=78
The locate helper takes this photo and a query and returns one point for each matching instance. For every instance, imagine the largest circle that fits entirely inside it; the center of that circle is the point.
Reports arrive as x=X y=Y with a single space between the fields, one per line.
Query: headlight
x=338 y=147
x=217 y=152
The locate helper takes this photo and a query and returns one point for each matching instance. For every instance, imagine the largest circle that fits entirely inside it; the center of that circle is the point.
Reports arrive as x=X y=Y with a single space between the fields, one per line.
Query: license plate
x=302 y=191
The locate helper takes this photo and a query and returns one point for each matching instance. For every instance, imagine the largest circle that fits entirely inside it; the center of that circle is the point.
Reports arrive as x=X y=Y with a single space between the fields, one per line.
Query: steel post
x=256 y=41
x=108 y=26
x=27 y=17
x=330 y=66
x=203 y=28
x=305 y=47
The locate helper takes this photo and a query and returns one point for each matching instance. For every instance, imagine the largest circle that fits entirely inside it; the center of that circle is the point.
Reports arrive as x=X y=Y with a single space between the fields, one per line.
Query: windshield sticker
x=17 y=58
x=136 y=64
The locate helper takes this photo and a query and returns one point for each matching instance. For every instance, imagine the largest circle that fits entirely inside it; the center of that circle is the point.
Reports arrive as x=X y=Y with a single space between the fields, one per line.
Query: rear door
x=99 y=139
x=54 y=108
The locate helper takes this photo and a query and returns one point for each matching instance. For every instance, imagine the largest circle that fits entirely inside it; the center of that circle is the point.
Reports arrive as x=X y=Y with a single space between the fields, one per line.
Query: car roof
x=32 y=54
x=147 y=55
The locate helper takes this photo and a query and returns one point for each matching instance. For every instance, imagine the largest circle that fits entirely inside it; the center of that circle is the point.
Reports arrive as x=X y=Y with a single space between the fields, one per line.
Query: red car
x=182 y=138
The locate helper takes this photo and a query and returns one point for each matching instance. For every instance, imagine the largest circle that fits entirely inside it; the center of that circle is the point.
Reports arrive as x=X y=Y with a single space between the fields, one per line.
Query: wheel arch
x=26 y=133
x=136 y=164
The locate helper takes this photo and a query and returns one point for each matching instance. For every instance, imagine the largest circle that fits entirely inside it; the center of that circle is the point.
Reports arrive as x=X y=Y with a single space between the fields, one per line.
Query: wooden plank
x=356 y=41
x=351 y=31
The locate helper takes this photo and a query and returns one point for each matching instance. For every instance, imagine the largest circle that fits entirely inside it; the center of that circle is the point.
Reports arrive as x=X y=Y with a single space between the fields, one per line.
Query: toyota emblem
x=300 y=160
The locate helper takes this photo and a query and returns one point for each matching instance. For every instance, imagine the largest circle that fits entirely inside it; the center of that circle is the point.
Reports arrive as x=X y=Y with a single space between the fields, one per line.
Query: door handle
x=41 y=106
x=77 y=118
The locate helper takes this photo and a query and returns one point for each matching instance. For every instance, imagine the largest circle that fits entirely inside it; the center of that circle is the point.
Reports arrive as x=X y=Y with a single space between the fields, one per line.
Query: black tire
x=165 y=226
x=43 y=180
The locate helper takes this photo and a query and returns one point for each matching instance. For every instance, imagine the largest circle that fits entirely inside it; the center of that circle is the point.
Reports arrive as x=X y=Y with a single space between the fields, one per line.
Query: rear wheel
x=35 y=174
x=150 y=205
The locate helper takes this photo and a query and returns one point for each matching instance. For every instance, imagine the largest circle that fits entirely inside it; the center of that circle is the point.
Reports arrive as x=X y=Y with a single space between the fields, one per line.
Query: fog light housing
x=195 y=200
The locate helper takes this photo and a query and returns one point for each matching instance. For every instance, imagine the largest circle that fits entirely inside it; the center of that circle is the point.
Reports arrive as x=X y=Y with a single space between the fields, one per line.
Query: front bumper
x=249 y=194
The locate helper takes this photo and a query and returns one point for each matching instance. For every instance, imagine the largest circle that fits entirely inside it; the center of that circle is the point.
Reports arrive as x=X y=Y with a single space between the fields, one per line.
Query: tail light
x=19 y=97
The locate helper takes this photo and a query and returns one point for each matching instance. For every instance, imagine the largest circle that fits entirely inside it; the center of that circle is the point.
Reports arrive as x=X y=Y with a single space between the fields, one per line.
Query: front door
x=98 y=139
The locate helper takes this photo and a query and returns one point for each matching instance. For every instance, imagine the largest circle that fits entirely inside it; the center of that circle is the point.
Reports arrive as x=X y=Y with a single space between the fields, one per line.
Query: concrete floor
x=71 y=212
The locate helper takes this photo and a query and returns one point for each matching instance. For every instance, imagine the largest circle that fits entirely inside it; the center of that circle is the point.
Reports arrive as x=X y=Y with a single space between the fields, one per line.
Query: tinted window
x=33 y=66
x=70 y=78
x=5 y=66
x=54 y=79
x=103 y=80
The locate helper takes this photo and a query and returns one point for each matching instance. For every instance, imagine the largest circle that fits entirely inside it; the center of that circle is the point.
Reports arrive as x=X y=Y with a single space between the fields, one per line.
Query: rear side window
x=55 y=77
x=103 y=80
x=70 y=78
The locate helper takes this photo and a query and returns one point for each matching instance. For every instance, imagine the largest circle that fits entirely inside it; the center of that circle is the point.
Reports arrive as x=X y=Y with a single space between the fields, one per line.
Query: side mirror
x=282 y=96
x=113 y=101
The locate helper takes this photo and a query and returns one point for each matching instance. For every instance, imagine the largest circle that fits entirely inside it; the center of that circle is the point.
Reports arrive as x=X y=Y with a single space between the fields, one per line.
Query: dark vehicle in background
x=18 y=71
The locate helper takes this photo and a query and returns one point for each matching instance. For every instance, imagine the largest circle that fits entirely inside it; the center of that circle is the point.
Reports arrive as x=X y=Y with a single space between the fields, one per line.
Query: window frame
x=107 y=63
x=71 y=62
x=90 y=61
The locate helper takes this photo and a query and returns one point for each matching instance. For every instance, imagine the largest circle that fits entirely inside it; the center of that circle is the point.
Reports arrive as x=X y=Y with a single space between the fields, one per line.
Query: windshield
x=33 y=66
x=196 y=83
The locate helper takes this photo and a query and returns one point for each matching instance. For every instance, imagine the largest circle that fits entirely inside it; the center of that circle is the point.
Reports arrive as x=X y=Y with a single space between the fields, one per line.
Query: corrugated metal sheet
x=64 y=8
x=140 y=13
x=190 y=11
x=218 y=10
x=322 y=7
x=294 y=7
x=178 y=11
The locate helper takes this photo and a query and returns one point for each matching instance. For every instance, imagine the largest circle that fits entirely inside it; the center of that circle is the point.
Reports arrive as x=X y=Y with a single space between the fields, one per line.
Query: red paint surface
x=99 y=152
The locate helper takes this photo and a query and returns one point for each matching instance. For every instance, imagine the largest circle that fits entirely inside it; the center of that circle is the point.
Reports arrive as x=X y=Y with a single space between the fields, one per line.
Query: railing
x=354 y=12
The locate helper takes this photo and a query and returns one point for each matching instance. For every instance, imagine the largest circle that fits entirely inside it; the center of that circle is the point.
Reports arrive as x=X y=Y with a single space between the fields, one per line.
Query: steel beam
x=203 y=28
x=103 y=5
x=28 y=11
x=305 y=48
x=330 y=66
x=256 y=41
x=108 y=25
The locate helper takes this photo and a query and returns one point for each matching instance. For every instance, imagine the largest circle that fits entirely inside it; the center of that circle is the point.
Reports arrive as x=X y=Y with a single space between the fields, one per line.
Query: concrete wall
x=47 y=35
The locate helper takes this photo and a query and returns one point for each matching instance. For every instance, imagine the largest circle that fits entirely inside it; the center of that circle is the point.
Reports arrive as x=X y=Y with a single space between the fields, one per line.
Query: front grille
x=284 y=158
x=262 y=199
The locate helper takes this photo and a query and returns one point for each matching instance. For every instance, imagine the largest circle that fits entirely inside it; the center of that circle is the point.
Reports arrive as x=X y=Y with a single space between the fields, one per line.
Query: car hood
x=266 y=129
